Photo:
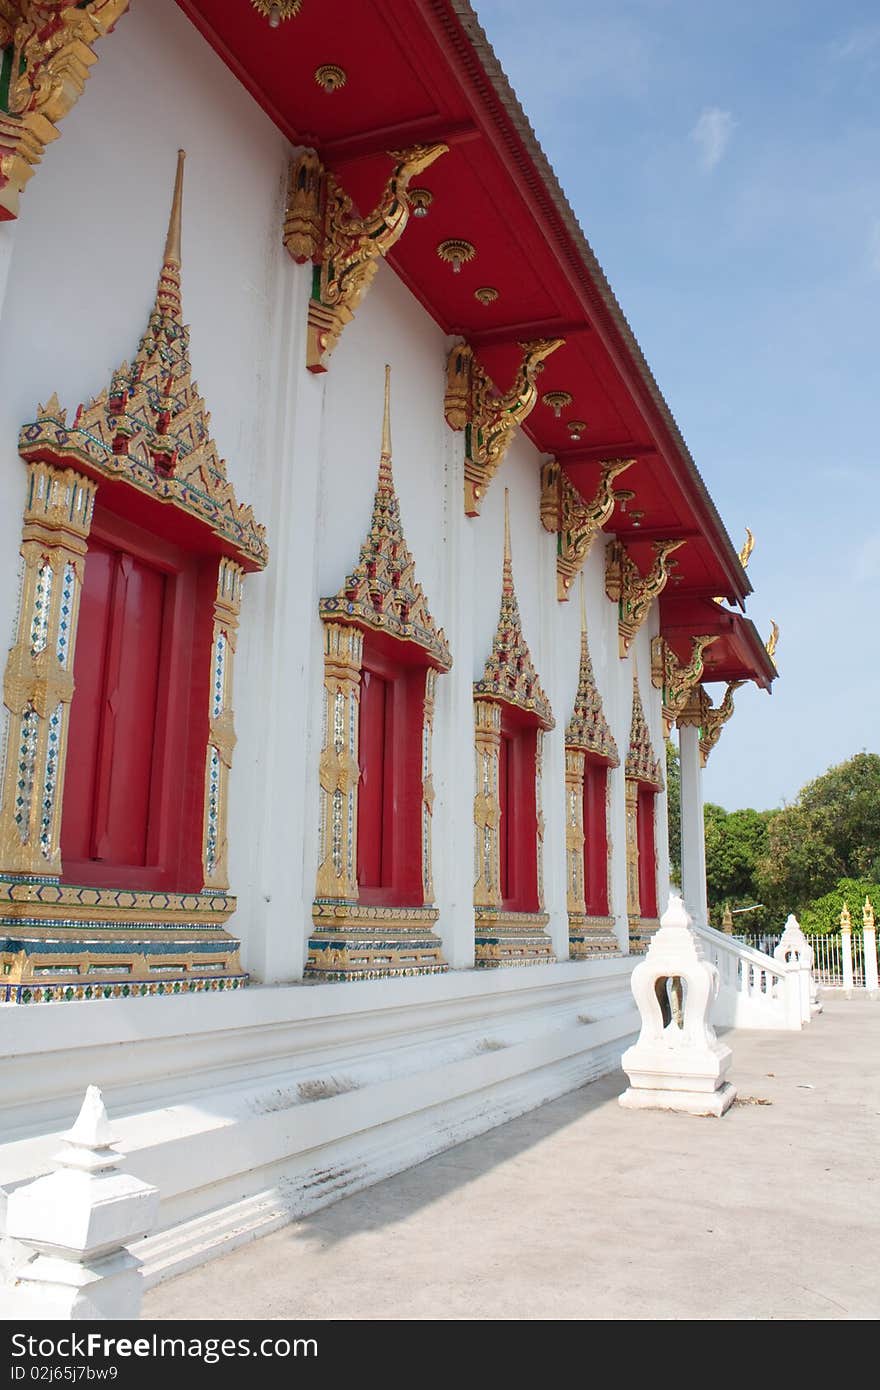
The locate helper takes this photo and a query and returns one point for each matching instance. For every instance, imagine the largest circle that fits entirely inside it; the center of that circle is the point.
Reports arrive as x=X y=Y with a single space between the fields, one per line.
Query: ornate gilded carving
x=45 y=57
x=277 y=11
x=148 y=432
x=321 y=225
x=487 y=806
x=456 y=252
x=770 y=644
x=509 y=673
x=575 y=522
x=642 y=765
x=588 y=729
x=745 y=555
x=382 y=591
x=700 y=713
x=633 y=892
x=151 y=429
x=587 y=734
x=338 y=768
x=428 y=785
x=642 y=769
x=352 y=940
x=574 y=832
x=221 y=728
x=38 y=683
x=675 y=680
x=502 y=937
x=632 y=591
x=488 y=418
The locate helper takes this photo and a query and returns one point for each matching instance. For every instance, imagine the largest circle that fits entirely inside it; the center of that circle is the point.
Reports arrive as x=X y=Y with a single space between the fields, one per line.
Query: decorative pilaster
x=221 y=736
x=488 y=418
x=38 y=684
x=487 y=807
x=573 y=521
x=320 y=225
x=633 y=897
x=676 y=681
x=45 y=57
x=338 y=767
x=632 y=591
x=574 y=835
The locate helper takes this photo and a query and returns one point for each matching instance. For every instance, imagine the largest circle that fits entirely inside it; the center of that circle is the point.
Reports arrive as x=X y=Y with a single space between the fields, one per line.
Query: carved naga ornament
x=488 y=418
x=45 y=56
x=575 y=523
x=674 y=679
x=700 y=713
x=632 y=591
x=321 y=226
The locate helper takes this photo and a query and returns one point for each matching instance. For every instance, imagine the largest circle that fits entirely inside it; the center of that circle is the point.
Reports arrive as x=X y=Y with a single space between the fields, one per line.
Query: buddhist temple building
x=355 y=573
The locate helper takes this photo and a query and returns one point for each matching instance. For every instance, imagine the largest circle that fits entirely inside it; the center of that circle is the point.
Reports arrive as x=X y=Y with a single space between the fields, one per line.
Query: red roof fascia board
x=737 y=654
x=467 y=45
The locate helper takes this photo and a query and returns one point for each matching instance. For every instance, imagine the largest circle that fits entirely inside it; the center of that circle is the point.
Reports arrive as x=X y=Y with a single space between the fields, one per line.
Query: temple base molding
x=591 y=936
x=354 y=941
x=512 y=938
x=641 y=930
x=64 y=942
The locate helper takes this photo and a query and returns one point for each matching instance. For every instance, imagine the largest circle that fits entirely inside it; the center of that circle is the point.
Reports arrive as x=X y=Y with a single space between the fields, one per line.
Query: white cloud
x=711 y=135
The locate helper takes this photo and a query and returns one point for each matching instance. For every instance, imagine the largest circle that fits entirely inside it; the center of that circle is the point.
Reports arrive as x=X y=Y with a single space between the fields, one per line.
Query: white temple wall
x=82 y=278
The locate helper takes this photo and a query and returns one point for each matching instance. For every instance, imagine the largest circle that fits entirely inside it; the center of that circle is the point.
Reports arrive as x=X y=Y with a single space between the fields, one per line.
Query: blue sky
x=724 y=161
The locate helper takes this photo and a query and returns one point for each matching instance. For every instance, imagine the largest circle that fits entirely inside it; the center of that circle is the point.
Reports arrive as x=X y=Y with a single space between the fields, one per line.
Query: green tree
x=673 y=803
x=830 y=833
x=823 y=915
x=735 y=842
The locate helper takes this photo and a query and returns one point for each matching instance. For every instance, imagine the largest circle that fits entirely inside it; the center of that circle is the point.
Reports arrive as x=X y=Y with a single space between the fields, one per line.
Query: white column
x=846 y=952
x=7 y=242
x=693 y=836
x=869 y=942
x=453 y=751
x=556 y=658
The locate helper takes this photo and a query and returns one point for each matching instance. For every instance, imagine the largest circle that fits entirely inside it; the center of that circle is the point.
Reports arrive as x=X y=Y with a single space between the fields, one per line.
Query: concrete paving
x=582 y=1210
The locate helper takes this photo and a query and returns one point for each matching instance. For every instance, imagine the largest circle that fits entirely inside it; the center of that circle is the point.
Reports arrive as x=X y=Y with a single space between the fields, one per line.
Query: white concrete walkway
x=583 y=1210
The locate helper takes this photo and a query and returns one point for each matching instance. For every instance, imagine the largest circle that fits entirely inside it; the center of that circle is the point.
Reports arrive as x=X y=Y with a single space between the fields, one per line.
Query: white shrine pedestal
x=677 y=1062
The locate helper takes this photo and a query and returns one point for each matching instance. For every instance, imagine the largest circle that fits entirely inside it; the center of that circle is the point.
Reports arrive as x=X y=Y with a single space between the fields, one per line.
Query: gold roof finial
x=507 y=574
x=748 y=547
x=770 y=644
x=385 y=455
x=172 y=241
x=168 y=302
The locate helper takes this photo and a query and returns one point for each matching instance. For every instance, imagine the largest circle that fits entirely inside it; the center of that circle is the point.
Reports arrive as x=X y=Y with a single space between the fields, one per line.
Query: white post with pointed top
x=677 y=1063
x=794 y=948
x=869 y=944
x=77 y=1222
x=846 y=950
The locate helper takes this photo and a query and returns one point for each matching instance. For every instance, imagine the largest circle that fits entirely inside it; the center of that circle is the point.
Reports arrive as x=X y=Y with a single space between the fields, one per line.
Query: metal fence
x=827 y=956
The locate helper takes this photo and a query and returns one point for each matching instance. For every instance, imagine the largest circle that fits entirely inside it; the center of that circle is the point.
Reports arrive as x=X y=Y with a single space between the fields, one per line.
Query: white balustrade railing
x=829 y=954
x=755 y=991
